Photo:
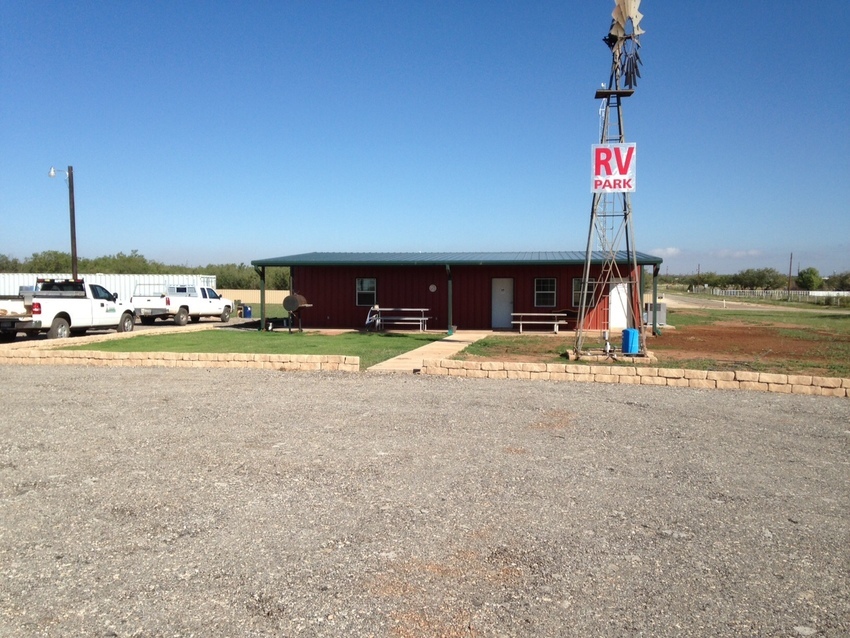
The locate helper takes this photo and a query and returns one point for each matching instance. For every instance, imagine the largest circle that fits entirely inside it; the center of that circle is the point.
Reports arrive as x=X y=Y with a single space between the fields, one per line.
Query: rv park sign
x=613 y=168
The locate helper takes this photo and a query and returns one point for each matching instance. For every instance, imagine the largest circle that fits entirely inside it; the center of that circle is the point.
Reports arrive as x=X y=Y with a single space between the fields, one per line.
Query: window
x=591 y=285
x=99 y=292
x=544 y=292
x=366 y=290
x=183 y=291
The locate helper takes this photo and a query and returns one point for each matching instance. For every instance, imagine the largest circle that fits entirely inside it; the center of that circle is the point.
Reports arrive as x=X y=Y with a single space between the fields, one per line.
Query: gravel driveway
x=212 y=503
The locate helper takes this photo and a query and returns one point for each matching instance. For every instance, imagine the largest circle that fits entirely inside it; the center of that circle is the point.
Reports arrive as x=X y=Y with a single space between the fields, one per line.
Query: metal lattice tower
x=610 y=240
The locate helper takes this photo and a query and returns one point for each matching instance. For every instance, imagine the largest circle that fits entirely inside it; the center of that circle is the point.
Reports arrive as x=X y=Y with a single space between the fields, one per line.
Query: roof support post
x=655 y=270
x=449 y=293
x=261 y=271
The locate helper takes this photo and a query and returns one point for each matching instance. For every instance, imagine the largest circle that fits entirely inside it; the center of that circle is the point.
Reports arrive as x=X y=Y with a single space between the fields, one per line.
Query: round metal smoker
x=293 y=304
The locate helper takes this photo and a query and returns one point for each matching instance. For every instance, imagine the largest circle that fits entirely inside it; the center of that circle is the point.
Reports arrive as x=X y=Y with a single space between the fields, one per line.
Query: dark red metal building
x=471 y=291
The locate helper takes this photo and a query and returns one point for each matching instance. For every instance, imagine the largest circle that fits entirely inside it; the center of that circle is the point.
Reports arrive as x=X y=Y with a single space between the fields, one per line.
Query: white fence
x=275 y=297
x=794 y=295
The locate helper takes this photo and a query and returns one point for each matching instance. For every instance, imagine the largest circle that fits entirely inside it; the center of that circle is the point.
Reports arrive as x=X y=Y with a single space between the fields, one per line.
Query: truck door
x=104 y=309
x=216 y=306
x=205 y=304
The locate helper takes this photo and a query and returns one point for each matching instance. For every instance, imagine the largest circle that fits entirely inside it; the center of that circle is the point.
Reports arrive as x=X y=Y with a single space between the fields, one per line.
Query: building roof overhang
x=557 y=258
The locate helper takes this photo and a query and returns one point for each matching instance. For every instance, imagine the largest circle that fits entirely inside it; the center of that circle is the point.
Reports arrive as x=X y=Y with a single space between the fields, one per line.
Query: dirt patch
x=739 y=345
x=727 y=345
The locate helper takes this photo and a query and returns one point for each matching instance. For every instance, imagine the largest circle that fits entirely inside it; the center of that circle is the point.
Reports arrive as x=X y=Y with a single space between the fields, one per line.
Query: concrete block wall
x=285 y=362
x=673 y=377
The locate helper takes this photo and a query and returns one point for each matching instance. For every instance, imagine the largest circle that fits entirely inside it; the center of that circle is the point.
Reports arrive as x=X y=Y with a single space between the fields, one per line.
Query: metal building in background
x=123 y=285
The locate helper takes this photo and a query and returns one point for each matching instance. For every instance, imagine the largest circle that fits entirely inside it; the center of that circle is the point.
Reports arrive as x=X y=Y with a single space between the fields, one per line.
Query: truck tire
x=59 y=329
x=225 y=315
x=181 y=317
x=148 y=321
x=8 y=335
x=195 y=318
x=128 y=321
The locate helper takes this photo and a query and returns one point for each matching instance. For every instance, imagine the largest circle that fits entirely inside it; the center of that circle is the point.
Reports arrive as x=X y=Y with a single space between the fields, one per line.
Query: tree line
x=244 y=277
x=235 y=276
x=763 y=279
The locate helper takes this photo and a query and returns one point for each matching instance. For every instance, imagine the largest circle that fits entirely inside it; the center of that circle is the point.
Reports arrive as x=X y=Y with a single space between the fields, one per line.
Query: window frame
x=359 y=290
x=553 y=281
x=99 y=292
x=591 y=287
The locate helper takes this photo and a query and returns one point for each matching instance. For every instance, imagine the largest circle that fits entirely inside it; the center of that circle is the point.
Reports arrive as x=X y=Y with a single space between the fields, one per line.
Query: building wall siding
x=331 y=290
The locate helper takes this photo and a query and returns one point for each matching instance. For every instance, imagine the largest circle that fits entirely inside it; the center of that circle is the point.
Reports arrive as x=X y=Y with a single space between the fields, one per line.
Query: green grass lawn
x=545 y=349
x=372 y=348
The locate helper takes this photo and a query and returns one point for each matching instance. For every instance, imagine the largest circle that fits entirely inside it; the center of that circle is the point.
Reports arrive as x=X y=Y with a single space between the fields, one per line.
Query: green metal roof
x=560 y=258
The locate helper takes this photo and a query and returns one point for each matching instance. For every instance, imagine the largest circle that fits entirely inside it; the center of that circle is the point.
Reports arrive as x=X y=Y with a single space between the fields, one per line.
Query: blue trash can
x=631 y=341
x=247 y=312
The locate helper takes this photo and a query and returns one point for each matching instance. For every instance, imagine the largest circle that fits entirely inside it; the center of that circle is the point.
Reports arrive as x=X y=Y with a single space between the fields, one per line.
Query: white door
x=502 y=303
x=618 y=306
x=215 y=302
x=104 y=310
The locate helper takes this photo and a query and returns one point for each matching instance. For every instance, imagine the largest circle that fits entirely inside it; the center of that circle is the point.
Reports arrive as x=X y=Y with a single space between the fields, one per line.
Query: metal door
x=502 y=303
x=618 y=306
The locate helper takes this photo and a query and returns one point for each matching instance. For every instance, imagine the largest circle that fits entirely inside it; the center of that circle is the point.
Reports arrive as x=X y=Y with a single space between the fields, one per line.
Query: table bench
x=554 y=319
x=379 y=317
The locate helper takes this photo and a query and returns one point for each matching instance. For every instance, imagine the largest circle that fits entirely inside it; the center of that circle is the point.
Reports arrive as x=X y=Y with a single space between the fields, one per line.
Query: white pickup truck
x=63 y=307
x=180 y=302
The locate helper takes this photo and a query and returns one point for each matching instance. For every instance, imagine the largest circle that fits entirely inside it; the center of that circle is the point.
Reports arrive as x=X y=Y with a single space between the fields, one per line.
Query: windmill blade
x=636 y=18
x=619 y=15
x=630 y=8
x=625 y=10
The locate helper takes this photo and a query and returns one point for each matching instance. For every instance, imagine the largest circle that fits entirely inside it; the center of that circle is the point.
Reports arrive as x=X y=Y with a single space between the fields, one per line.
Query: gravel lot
x=212 y=503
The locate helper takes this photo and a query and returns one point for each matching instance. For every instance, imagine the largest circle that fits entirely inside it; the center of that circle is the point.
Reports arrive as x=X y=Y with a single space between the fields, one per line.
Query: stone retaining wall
x=676 y=377
x=284 y=362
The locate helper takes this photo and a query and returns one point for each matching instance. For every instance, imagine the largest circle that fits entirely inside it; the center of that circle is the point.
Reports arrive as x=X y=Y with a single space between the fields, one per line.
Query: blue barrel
x=631 y=342
x=247 y=312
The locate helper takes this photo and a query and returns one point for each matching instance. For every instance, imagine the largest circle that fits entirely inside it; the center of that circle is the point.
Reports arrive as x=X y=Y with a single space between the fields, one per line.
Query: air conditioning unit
x=661 y=313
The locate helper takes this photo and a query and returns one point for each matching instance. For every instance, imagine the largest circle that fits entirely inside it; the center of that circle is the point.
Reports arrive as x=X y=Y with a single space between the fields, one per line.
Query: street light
x=70 y=174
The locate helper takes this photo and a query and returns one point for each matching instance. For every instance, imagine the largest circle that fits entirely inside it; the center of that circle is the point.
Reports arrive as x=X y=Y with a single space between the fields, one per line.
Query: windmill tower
x=610 y=240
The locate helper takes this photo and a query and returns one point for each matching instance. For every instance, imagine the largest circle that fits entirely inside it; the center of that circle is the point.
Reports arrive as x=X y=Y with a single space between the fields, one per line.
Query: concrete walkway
x=443 y=349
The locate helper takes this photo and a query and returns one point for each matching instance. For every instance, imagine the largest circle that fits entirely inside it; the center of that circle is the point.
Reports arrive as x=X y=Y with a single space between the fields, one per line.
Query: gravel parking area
x=222 y=503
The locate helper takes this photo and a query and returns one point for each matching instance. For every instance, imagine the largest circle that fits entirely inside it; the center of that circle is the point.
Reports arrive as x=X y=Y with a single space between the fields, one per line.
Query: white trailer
x=122 y=285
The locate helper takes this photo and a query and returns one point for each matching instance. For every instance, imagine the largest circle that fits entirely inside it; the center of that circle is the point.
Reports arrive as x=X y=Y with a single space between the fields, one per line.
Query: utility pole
x=73 y=222
x=70 y=174
x=790 y=266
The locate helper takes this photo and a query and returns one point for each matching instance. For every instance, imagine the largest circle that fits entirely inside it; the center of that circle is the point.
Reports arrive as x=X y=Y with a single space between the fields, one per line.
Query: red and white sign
x=613 y=168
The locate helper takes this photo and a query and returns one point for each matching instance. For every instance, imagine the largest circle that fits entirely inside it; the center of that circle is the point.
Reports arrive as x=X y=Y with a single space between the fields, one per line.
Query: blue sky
x=219 y=132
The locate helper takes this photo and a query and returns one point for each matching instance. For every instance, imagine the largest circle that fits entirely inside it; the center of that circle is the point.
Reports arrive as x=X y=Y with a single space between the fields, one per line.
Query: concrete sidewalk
x=443 y=349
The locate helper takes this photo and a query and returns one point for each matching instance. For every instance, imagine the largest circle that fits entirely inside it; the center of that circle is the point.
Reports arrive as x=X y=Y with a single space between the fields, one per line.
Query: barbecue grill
x=293 y=304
